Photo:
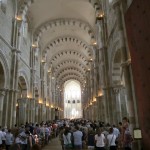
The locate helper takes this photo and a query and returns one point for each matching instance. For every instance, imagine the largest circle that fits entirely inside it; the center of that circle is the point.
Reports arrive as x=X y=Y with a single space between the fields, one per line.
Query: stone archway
x=2 y=77
x=2 y=91
x=72 y=99
x=116 y=70
x=22 y=87
x=22 y=100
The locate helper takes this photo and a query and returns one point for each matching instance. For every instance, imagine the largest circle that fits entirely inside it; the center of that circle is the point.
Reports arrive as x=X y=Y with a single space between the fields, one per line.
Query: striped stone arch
x=22 y=73
x=71 y=61
x=23 y=9
x=69 y=68
x=76 y=53
x=71 y=74
x=71 y=78
x=65 y=39
x=60 y=22
x=115 y=65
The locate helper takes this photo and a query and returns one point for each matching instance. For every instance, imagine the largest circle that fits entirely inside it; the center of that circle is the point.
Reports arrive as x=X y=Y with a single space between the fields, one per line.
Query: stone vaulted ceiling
x=63 y=30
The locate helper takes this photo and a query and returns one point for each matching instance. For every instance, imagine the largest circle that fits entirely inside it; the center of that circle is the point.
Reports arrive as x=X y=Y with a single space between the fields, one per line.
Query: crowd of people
x=75 y=134
x=28 y=137
x=84 y=134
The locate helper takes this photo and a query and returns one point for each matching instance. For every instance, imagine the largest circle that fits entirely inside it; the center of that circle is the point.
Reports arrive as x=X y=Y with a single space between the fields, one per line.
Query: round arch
x=59 y=22
x=67 y=39
x=25 y=77
x=22 y=87
x=72 y=99
x=76 y=53
x=115 y=65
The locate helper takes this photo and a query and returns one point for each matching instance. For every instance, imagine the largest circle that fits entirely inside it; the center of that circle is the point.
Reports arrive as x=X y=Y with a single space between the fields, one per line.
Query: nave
x=75 y=59
x=53 y=145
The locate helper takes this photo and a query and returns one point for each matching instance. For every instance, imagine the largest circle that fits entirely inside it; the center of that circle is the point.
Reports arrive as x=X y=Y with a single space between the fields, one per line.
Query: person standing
x=3 y=139
x=23 y=138
x=91 y=140
x=100 y=140
x=67 y=139
x=61 y=137
x=111 y=138
x=126 y=136
x=77 y=136
x=9 y=139
x=127 y=142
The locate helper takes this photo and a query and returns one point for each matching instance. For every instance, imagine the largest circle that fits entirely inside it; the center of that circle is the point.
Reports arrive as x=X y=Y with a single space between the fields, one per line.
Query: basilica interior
x=75 y=59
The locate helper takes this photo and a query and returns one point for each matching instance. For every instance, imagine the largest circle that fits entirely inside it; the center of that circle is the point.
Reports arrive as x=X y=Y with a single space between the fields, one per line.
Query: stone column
x=105 y=105
x=22 y=104
x=5 y=108
x=99 y=109
x=95 y=111
x=27 y=111
x=125 y=61
x=43 y=112
x=31 y=109
x=117 y=106
x=40 y=113
x=52 y=113
x=14 y=72
x=32 y=80
x=36 y=112
x=13 y=87
x=2 y=95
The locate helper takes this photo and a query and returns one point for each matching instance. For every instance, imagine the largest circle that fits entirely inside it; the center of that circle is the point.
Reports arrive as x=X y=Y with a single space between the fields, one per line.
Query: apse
x=72 y=100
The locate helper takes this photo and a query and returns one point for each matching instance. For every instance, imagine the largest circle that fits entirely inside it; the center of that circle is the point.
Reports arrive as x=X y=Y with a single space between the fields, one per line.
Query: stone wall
x=138 y=31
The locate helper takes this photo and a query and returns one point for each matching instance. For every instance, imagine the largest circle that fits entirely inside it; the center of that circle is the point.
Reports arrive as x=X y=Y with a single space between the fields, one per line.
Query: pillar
x=16 y=36
x=22 y=104
x=2 y=95
x=125 y=65
x=117 y=106
x=5 y=108
x=36 y=112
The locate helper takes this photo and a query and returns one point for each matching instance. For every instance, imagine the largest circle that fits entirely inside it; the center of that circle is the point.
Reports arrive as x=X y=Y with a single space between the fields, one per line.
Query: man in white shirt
x=116 y=131
x=100 y=140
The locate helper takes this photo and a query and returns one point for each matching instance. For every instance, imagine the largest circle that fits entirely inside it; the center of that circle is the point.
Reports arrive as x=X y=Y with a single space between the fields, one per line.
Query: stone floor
x=53 y=145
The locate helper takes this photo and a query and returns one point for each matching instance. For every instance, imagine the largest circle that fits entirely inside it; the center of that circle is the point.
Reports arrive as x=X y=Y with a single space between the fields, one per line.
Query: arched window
x=72 y=91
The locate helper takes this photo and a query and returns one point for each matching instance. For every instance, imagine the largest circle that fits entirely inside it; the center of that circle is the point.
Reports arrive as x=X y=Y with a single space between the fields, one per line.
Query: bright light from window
x=72 y=92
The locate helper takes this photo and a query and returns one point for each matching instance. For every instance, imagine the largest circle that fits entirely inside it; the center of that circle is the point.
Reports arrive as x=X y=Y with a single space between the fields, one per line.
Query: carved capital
x=22 y=100
x=16 y=50
x=2 y=93
x=126 y=63
x=116 y=90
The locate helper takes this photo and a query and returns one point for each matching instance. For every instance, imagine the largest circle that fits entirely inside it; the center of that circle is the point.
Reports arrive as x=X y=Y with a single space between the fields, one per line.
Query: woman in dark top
x=91 y=140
